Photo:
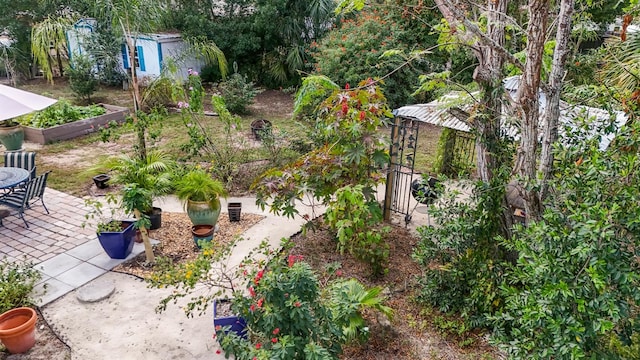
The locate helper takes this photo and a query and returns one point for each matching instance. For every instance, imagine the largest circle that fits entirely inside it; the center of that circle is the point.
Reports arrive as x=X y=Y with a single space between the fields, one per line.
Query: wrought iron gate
x=404 y=141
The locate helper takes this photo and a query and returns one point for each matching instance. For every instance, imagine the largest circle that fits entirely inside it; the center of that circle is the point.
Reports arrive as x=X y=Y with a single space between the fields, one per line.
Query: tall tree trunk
x=148 y=249
x=490 y=53
x=528 y=101
x=552 y=110
x=142 y=144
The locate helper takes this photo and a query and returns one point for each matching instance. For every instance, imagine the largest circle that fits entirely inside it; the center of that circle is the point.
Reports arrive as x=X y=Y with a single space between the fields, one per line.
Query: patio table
x=12 y=176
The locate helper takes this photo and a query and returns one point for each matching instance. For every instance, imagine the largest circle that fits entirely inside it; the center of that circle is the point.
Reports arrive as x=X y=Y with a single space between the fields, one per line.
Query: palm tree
x=47 y=35
x=622 y=64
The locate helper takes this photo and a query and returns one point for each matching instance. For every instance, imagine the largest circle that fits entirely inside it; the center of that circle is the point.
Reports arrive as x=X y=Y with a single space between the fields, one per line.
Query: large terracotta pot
x=203 y=213
x=12 y=137
x=18 y=329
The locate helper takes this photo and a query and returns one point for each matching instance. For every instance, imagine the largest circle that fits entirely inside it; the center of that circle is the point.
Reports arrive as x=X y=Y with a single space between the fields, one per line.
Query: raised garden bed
x=75 y=129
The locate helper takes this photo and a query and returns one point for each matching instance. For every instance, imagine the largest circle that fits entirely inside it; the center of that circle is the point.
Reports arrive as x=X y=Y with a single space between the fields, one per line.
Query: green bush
x=291 y=317
x=17 y=280
x=352 y=51
x=463 y=263
x=576 y=285
x=158 y=93
x=356 y=222
x=238 y=93
x=82 y=79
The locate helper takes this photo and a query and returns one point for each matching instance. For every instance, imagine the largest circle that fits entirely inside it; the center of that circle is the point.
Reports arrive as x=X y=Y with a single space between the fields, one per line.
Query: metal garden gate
x=404 y=141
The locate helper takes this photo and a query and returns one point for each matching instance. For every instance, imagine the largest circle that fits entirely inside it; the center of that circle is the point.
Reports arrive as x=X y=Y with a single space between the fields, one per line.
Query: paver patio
x=48 y=234
x=67 y=255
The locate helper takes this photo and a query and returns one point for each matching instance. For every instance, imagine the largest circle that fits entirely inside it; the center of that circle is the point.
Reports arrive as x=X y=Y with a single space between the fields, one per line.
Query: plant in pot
x=201 y=196
x=11 y=135
x=153 y=174
x=17 y=319
x=115 y=236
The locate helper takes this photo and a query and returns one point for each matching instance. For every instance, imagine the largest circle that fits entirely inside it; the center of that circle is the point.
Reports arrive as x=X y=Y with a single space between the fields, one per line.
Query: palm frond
x=209 y=52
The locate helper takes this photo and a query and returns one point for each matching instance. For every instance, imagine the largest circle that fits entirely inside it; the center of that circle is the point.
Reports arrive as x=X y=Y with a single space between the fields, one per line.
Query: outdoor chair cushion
x=21 y=159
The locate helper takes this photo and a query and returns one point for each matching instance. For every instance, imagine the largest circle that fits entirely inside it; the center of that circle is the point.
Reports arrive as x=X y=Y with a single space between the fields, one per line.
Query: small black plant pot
x=234 y=209
x=260 y=128
x=155 y=216
x=101 y=181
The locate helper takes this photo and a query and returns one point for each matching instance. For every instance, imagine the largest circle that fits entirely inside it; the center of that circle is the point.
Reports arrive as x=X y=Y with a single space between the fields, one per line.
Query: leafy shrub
x=238 y=93
x=225 y=155
x=158 y=93
x=82 y=79
x=576 y=285
x=17 y=280
x=356 y=222
x=463 y=263
x=60 y=113
x=291 y=317
x=352 y=151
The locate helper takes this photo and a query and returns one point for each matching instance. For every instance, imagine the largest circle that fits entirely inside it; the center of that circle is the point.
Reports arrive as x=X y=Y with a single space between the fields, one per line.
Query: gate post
x=393 y=155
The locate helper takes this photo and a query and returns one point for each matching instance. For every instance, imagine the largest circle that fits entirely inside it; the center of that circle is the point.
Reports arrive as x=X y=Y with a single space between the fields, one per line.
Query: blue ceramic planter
x=238 y=324
x=118 y=244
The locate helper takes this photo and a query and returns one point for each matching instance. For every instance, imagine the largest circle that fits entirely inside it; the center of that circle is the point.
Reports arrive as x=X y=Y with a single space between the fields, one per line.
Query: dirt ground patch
x=177 y=243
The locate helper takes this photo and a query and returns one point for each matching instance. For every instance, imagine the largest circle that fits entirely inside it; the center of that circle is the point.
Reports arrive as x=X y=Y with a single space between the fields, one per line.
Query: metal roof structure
x=438 y=112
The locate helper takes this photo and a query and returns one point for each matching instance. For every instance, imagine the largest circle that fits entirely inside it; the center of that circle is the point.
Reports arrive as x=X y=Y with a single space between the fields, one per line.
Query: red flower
x=218 y=327
x=252 y=291
x=347 y=86
x=252 y=308
x=293 y=258
x=297 y=304
x=362 y=115
x=258 y=277
x=276 y=331
x=260 y=302
x=345 y=108
x=218 y=351
x=258 y=346
x=274 y=340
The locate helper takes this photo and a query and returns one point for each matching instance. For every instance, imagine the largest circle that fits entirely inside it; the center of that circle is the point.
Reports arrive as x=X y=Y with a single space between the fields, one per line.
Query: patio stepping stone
x=95 y=291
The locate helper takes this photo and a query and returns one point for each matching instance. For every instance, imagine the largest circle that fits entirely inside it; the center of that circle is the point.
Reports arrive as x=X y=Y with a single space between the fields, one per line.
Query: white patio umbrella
x=15 y=102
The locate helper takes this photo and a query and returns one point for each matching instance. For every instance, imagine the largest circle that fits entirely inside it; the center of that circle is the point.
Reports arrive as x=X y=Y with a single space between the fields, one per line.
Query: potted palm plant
x=151 y=177
x=201 y=196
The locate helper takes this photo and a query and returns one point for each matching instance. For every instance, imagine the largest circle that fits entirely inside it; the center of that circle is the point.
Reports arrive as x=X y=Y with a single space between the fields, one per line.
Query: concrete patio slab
x=80 y=275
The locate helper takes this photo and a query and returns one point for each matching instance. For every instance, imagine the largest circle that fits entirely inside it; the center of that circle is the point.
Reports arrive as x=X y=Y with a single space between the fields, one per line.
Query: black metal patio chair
x=22 y=199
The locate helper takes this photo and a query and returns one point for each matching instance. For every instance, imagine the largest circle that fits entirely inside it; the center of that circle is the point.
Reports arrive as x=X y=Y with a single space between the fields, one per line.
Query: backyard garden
x=289 y=103
x=411 y=332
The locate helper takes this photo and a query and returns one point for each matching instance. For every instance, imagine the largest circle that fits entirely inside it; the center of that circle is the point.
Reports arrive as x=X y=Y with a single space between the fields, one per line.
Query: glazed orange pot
x=18 y=329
